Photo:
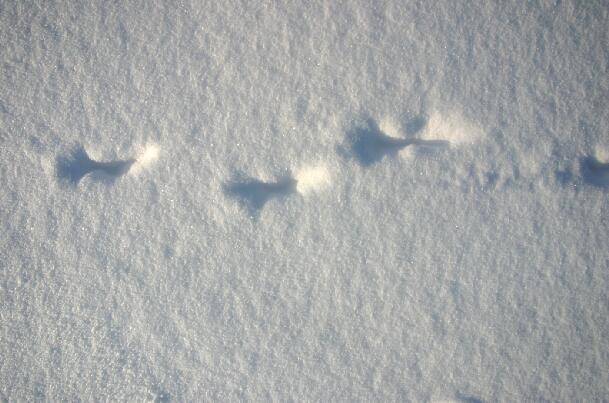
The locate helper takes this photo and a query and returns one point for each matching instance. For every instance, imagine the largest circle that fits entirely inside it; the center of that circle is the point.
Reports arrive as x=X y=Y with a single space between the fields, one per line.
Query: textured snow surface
x=309 y=201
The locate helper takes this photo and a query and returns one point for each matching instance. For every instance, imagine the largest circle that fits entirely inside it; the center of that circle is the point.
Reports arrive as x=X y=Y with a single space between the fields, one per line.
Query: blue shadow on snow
x=370 y=145
x=594 y=172
x=78 y=164
x=254 y=194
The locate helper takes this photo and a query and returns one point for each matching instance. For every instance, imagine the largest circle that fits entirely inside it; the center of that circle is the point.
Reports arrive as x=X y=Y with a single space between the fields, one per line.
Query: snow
x=451 y=127
x=312 y=178
x=314 y=201
x=145 y=158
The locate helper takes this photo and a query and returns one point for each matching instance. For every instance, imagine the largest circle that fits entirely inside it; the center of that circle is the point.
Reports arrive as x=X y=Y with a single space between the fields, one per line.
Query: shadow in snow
x=78 y=164
x=370 y=145
x=595 y=172
x=162 y=397
x=563 y=176
x=469 y=399
x=415 y=125
x=253 y=193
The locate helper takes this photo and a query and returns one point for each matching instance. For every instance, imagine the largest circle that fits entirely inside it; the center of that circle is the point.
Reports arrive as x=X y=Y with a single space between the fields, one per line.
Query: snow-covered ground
x=309 y=201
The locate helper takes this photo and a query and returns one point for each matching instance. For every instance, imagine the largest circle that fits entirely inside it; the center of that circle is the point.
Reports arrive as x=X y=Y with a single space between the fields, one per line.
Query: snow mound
x=312 y=178
x=145 y=158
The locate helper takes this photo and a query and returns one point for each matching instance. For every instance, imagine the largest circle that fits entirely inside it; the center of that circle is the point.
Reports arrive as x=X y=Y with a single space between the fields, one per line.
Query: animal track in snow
x=468 y=399
x=595 y=172
x=78 y=164
x=370 y=144
x=254 y=194
x=461 y=398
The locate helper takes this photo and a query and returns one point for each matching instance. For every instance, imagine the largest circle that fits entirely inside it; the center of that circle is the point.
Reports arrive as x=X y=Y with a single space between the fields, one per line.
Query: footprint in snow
x=595 y=172
x=253 y=194
x=77 y=164
x=370 y=144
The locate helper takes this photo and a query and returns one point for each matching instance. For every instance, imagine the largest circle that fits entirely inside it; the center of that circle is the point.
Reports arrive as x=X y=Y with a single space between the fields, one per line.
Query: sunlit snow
x=332 y=201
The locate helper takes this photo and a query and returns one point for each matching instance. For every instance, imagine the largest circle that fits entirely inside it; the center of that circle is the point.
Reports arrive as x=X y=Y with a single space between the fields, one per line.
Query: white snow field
x=358 y=200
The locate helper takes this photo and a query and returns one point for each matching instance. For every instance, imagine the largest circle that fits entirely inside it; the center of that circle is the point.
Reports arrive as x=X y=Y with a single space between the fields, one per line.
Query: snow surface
x=308 y=201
